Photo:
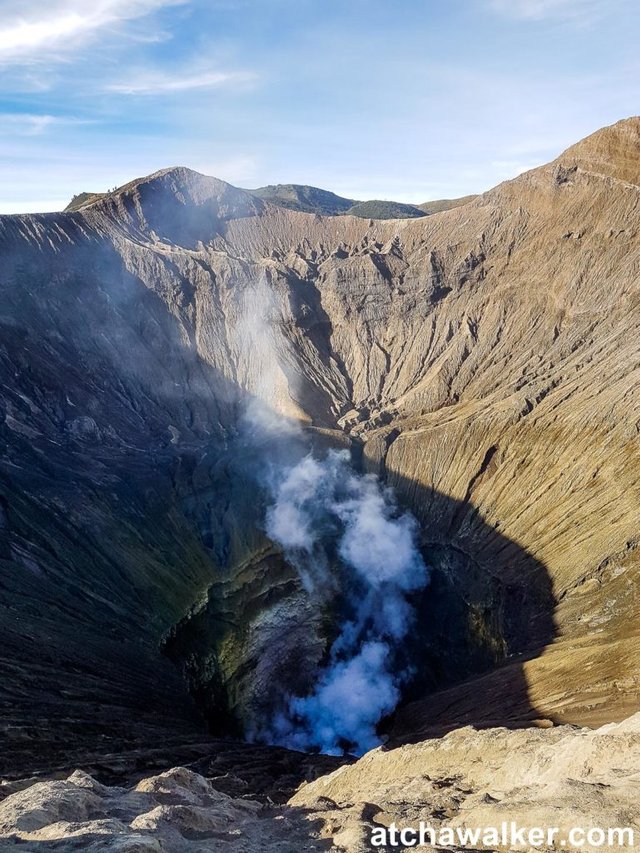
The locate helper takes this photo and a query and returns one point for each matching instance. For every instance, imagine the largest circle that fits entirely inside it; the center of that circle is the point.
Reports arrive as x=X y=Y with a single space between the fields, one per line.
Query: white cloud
x=29 y=32
x=25 y=124
x=33 y=124
x=577 y=11
x=162 y=84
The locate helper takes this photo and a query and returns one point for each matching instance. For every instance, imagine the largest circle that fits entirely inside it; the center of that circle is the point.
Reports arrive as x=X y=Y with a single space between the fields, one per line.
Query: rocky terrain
x=484 y=361
x=562 y=777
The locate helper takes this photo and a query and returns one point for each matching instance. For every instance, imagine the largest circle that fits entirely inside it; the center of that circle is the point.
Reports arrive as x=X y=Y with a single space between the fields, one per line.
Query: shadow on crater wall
x=490 y=606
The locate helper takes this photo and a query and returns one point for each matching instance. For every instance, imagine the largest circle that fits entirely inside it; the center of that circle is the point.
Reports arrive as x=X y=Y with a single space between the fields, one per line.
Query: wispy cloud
x=577 y=11
x=24 y=124
x=162 y=83
x=29 y=32
x=34 y=124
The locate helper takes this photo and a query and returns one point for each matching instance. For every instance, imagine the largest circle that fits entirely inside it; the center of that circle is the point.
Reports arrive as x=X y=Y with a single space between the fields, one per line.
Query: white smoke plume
x=353 y=550
x=324 y=506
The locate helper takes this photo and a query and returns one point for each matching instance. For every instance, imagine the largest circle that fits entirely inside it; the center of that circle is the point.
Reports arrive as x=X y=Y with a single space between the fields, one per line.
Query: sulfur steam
x=323 y=509
x=354 y=551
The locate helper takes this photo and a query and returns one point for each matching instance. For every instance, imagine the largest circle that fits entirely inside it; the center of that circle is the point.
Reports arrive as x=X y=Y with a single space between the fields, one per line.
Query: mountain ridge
x=301 y=198
x=616 y=146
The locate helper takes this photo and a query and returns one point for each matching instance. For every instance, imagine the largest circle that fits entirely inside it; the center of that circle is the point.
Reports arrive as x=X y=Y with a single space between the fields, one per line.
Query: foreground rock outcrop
x=484 y=361
x=561 y=777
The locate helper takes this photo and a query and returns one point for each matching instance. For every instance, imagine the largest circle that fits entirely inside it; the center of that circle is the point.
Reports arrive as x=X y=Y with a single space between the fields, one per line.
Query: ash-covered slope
x=484 y=360
x=585 y=779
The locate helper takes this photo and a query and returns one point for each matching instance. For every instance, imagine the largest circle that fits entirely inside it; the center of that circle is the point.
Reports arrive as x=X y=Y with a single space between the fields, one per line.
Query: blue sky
x=410 y=100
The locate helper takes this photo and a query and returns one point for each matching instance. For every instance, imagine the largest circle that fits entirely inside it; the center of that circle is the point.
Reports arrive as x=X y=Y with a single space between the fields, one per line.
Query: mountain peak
x=186 y=186
x=176 y=205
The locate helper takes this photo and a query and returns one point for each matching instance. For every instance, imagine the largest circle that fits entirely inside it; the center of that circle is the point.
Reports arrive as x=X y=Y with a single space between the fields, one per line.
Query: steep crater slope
x=484 y=361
